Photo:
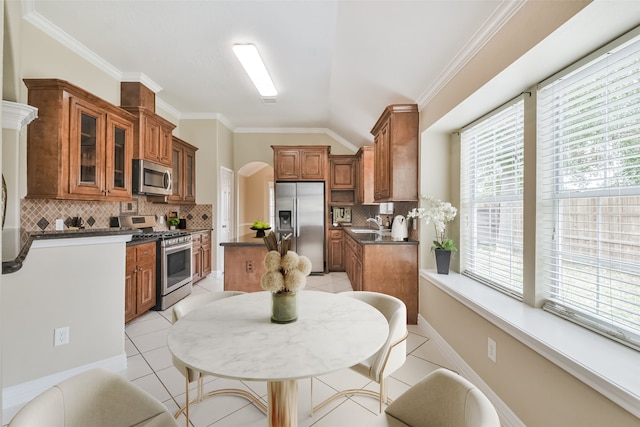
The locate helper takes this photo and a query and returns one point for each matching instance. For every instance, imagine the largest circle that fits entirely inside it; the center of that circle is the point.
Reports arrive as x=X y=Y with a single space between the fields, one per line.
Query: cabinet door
x=164 y=146
x=189 y=176
x=287 y=164
x=382 y=176
x=86 y=149
x=343 y=173
x=336 y=261
x=119 y=152
x=312 y=164
x=151 y=132
x=206 y=254
x=130 y=285
x=146 y=292
x=176 y=178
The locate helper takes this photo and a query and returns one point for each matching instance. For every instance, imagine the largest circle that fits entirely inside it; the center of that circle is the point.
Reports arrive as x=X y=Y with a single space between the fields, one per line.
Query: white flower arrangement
x=440 y=213
x=285 y=273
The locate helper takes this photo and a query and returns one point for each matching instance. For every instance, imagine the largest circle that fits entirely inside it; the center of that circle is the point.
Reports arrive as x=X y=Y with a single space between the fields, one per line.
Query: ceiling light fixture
x=252 y=62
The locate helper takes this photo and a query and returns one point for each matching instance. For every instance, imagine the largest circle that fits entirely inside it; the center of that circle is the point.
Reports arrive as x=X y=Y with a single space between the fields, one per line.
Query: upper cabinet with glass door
x=80 y=147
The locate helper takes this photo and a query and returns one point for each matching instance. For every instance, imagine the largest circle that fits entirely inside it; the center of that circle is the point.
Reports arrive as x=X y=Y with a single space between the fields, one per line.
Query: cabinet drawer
x=335 y=234
x=205 y=238
x=146 y=253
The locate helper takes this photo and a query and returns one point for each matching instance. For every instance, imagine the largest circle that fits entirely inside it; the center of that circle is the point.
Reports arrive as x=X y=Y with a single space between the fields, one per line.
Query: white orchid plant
x=439 y=213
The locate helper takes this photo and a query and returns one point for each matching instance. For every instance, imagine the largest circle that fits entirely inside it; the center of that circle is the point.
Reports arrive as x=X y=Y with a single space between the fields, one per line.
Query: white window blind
x=589 y=192
x=491 y=203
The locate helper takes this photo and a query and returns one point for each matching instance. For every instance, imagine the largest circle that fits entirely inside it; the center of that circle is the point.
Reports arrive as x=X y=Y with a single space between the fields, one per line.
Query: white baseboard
x=15 y=397
x=507 y=417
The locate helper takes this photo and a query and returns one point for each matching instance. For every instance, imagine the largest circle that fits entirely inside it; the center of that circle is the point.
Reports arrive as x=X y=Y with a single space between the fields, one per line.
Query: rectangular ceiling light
x=250 y=59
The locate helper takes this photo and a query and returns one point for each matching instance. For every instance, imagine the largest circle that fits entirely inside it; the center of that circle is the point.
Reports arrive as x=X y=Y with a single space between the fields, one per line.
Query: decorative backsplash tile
x=41 y=214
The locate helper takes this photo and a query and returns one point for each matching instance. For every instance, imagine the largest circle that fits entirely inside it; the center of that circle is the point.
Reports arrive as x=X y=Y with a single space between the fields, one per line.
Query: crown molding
x=16 y=116
x=140 y=78
x=492 y=25
x=325 y=131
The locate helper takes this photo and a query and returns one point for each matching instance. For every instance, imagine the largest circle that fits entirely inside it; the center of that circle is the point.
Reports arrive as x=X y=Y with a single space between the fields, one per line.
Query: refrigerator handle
x=297 y=220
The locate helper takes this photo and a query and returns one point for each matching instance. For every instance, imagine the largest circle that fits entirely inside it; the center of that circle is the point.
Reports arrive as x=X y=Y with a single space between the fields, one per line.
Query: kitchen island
x=243 y=263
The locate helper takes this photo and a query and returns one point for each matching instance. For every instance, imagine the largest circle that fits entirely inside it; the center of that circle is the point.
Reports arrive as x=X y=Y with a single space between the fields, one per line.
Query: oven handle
x=177 y=248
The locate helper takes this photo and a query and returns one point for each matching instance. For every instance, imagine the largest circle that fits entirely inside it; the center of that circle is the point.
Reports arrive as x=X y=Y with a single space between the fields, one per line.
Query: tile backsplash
x=41 y=214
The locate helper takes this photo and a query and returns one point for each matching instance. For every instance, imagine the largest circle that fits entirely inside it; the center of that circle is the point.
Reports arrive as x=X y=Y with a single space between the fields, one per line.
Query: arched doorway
x=255 y=196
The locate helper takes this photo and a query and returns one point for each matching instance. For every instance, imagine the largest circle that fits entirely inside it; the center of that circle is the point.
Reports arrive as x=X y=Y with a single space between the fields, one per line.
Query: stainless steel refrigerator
x=300 y=212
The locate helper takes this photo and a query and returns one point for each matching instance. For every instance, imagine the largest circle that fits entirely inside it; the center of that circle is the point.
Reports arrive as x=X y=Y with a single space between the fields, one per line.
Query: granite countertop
x=246 y=240
x=11 y=266
x=373 y=238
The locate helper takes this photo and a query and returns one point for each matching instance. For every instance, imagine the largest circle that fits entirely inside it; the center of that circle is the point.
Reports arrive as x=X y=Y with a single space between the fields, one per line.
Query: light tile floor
x=150 y=367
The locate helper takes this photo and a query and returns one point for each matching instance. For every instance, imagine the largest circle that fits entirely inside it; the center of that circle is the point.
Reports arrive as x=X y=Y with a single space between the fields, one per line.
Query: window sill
x=608 y=367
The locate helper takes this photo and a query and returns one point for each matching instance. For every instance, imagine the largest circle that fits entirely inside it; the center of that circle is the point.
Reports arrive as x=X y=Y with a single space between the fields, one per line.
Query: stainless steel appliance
x=300 y=212
x=151 y=179
x=174 y=259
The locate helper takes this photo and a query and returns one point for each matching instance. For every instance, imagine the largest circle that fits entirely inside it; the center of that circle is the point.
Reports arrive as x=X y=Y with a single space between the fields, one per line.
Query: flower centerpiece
x=439 y=213
x=286 y=273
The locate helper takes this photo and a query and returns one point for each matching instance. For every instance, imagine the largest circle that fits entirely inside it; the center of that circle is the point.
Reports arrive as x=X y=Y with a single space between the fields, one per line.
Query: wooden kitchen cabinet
x=353 y=262
x=365 y=178
x=201 y=253
x=336 y=251
x=80 y=147
x=300 y=162
x=396 y=154
x=387 y=268
x=140 y=280
x=342 y=172
x=184 y=172
x=152 y=136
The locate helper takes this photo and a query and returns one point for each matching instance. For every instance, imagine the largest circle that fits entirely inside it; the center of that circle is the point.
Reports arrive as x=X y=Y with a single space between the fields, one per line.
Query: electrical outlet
x=492 y=350
x=249 y=266
x=61 y=336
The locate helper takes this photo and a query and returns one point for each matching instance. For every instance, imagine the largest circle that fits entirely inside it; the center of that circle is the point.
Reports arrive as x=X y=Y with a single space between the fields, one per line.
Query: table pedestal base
x=283 y=403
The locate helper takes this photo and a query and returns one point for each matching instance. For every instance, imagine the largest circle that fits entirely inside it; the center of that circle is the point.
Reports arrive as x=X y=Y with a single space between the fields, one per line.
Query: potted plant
x=439 y=213
x=173 y=222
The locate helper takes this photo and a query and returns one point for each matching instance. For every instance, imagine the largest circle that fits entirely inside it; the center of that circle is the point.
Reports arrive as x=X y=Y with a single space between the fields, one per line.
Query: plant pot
x=443 y=260
x=284 y=307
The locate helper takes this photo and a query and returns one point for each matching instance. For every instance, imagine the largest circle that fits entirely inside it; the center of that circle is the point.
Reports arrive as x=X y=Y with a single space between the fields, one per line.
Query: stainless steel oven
x=174 y=270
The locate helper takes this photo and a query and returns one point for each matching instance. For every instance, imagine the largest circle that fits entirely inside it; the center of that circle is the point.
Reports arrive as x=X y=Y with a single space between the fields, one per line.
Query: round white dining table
x=234 y=338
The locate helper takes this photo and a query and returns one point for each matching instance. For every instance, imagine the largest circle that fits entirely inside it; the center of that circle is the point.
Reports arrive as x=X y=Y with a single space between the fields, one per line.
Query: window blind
x=589 y=193
x=491 y=205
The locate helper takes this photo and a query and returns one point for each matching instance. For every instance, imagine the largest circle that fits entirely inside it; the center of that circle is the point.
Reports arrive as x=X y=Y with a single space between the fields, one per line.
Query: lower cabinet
x=387 y=268
x=140 y=280
x=353 y=262
x=336 y=251
x=201 y=254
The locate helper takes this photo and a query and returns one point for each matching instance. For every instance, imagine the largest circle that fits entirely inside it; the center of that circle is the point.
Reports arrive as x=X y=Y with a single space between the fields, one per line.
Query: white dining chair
x=441 y=399
x=389 y=358
x=97 y=398
x=180 y=309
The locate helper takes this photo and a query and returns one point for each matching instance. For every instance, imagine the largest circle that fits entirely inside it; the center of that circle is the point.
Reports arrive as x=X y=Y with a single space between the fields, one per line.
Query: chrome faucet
x=378 y=221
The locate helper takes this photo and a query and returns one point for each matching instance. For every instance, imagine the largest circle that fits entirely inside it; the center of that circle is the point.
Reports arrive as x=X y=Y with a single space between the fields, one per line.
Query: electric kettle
x=399 y=228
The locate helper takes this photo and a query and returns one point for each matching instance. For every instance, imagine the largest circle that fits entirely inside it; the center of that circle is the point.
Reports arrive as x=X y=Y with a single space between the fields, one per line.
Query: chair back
x=393 y=353
x=444 y=399
x=97 y=398
x=194 y=301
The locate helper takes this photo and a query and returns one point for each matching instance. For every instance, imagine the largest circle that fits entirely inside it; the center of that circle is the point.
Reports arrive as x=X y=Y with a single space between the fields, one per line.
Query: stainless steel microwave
x=151 y=178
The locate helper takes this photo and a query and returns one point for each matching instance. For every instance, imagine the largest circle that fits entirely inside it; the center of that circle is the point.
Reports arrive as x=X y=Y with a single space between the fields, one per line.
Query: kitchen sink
x=363 y=230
